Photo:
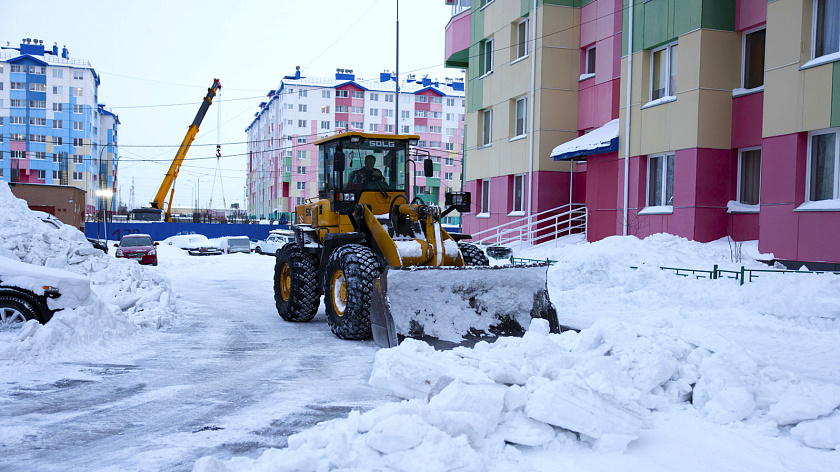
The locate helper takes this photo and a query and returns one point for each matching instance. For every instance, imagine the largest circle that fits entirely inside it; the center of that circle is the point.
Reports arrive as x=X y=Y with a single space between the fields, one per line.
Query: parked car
x=138 y=247
x=100 y=244
x=207 y=248
x=187 y=241
x=236 y=244
x=276 y=239
x=26 y=288
x=48 y=219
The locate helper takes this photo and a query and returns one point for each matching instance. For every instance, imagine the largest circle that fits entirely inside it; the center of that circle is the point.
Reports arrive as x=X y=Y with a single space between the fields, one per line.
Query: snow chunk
x=823 y=433
x=805 y=401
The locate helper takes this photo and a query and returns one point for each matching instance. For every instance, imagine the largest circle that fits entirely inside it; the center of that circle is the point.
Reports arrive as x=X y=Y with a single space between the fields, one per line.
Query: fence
x=743 y=275
x=544 y=227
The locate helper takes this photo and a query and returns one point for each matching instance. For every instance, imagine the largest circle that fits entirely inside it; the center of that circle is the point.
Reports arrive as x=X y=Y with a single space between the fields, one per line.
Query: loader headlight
x=345 y=197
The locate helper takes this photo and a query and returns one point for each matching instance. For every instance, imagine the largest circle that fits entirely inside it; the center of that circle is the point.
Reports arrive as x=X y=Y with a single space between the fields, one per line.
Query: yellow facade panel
x=714 y=128
x=691 y=47
x=669 y=126
x=544 y=142
x=816 y=97
x=782 y=101
x=558 y=27
x=719 y=60
x=683 y=120
x=785 y=20
x=556 y=110
x=559 y=68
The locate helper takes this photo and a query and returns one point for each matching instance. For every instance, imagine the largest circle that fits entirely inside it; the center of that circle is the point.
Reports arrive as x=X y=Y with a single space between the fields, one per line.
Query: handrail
x=742 y=276
x=546 y=226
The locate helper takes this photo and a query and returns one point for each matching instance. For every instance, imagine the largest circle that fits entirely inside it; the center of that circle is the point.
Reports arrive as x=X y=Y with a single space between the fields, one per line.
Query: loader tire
x=348 y=286
x=473 y=256
x=296 y=284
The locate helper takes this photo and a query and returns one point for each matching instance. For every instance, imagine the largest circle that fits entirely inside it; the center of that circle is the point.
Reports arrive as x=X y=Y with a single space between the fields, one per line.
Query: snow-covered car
x=138 y=247
x=26 y=291
x=48 y=219
x=234 y=244
x=276 y=239
x=100 y=244
x=187 y=241
x=209 y=248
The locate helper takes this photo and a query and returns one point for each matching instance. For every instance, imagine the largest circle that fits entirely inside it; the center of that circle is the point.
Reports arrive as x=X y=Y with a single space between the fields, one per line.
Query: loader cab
x=363 y=168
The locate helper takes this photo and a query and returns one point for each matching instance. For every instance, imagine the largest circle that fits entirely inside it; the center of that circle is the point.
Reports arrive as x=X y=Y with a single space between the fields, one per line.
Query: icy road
x=229 y=378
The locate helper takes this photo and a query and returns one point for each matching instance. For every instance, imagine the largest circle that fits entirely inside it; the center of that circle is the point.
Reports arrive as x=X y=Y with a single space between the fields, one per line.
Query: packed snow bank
x=126 y=296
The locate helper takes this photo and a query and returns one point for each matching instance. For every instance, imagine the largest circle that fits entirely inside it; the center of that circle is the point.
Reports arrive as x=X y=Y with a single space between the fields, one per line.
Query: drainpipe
x=531 y=134
x=627 y=118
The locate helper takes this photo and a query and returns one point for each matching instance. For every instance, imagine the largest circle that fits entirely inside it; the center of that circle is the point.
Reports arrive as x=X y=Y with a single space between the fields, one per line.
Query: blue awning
x=598 y=141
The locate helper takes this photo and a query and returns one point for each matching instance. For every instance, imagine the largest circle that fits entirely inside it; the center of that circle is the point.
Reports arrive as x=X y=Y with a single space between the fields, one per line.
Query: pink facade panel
x=750 y=13
x=597 y=103
x=817 y=238
x=713 y=178
x=743 y=226
x=747 y=116
x=777 y=231
x=457 y=33
x=588 y=23
x=783 y=160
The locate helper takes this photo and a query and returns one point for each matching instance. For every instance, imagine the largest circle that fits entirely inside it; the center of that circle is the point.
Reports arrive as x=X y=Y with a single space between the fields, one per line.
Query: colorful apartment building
x=53 y=130
x=733 y=127
x=282 y=157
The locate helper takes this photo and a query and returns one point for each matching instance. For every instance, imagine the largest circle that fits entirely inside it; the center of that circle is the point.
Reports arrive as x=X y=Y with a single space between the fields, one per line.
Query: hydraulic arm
x=169 y=180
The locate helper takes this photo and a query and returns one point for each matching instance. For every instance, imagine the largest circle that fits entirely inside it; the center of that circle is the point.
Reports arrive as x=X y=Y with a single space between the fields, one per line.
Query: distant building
x=53 y=130
x=283 y=161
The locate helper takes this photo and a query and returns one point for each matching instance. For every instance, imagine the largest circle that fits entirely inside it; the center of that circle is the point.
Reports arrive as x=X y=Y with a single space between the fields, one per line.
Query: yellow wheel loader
x=384 y=264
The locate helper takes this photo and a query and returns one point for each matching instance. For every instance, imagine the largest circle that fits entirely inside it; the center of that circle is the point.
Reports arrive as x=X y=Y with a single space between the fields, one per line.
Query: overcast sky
x=156 y=60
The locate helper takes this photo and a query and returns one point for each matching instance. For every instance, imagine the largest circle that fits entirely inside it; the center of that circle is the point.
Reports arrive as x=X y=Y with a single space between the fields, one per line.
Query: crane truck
x=385 y=266
x=168 y=184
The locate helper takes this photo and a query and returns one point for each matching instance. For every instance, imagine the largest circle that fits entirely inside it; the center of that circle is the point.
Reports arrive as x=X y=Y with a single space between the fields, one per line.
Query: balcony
x=457 y=49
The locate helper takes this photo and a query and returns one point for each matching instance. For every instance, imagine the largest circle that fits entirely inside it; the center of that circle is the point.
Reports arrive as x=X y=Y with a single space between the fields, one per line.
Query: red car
x=138 y=247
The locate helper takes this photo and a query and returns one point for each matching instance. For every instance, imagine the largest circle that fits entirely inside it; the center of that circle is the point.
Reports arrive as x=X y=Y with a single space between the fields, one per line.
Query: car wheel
x=473 y=256
x=258 y=250
x=295 y=284
x=348 y=285
x=15 y=311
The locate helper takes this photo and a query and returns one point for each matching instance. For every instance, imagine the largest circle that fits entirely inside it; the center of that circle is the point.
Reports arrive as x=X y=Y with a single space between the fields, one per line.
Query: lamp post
x=105 y=193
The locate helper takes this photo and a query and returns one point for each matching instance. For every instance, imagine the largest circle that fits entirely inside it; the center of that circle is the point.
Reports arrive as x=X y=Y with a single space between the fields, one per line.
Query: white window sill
x=520 y=59
x=483 y=215
x=820 y=205
x=586 y=76
x=516 y=213
x=821 y=60
x=657 y=210
x=486 y=5
x=659 y=101
x=737 y=207
x=486 y=74
x=740 y=92
x=485 y=146
x=517 y=138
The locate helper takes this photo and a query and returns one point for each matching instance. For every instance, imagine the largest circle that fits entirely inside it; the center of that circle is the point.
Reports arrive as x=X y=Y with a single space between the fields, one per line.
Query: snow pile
x=125 y=295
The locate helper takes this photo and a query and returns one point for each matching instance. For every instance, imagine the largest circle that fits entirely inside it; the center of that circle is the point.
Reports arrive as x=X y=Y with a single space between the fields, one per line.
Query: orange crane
x=169 y=180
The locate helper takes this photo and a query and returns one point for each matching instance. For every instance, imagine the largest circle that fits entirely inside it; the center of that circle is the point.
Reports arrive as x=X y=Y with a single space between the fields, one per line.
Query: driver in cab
x=366 y=176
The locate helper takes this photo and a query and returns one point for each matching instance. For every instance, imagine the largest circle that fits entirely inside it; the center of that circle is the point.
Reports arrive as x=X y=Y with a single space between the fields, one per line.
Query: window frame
x=520 y=43
x=809 y=161
x=826 y=57
x=484 y=209
x=524 y=118
x=485 y=70
x=591 y=49
x=668 y=93
x=739 y=188
x=486 y=127
x=521 y=193
x=663 y=206
x=744 y=35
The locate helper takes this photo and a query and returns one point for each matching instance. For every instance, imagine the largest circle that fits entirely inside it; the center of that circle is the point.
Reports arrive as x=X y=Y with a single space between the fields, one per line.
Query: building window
x=663 y=72
x=299 y=200
x=17 y=154
x=302 y=107
x=301 y=170
x=301 y=139
x=78 y=91
x=435 y=144
x=38 y=121
x=58 y=124
x=372 y=127
x=342 y=93
x=77 y=176
x=405 y=129
x=58 y=107
x=301 y=185
x=450 y=146
x=486 y=51
x=325 y=125
x=288 y=106
x=325 y=94
x=325 y=109
x=522 y=39
x=37 y=138
x=518 y=203
x=78 y=74
x=358 y=94
x=520 y=121
x=660 y=180
x=17 y=85
x=373 y=96
x=420 y=113
x=753 y=66
x=421 y=129
x=387 y=113
x=38 y=70
x=447 y=175
x=826 y=27
x=749 y=176
x=589 y=65
x=357 y=125
x=405 y=114
x=389 y=98
x=78 y=159
x=421 y=144
x=435 y=99
x=301 y=154
x=78 y=108
x=485 y=196
x=342 y=109
x=341 y=124
x=17 y=120
x=58 y=73
x=387 y=128
x=78 y=142
x=17 y=68
x=33 y=87
x=435 y=129
x=78 y=125
x=823 y=165
x=301 y=123
x=421 y=99
x=16 y=103
x=487 y=127
x=287 y=154
x=301 y=93
x=42 y=174
x=374 y=112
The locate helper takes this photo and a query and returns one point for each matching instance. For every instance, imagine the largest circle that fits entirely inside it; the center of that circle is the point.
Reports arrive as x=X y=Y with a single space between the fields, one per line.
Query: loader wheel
x=296 y=284
x=348 y=284
x=14 y=312
x=473 y=256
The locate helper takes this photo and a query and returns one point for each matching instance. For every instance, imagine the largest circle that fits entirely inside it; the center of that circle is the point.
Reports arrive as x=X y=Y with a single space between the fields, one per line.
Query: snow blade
x=450 y=306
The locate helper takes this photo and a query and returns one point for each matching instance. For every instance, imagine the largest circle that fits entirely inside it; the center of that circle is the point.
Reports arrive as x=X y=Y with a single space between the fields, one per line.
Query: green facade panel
x=835 y=96
x=658 y=22
x=460 y=59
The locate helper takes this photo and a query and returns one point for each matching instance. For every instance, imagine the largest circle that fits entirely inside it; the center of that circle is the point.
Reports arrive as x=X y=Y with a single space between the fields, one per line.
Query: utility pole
x=397 y=77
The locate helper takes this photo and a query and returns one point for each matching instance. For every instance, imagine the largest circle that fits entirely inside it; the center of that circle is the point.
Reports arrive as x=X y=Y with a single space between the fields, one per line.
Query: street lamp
x=105 y=193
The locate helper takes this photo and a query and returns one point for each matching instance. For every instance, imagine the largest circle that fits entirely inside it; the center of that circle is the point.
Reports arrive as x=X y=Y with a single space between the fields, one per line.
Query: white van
x=236 y=244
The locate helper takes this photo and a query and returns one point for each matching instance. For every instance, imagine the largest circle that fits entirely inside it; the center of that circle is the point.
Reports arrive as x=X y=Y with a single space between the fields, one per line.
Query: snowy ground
x=666 y=373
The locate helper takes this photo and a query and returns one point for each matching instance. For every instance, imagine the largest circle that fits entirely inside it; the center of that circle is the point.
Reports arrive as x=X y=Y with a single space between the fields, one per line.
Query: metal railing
x=742 y=276
x=545 y=227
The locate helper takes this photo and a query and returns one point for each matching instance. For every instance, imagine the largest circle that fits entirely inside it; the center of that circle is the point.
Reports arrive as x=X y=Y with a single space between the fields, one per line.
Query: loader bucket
x=450 y=306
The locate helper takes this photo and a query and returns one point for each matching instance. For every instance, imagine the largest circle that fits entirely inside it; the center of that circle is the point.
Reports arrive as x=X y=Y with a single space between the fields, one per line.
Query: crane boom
x=172 y=173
